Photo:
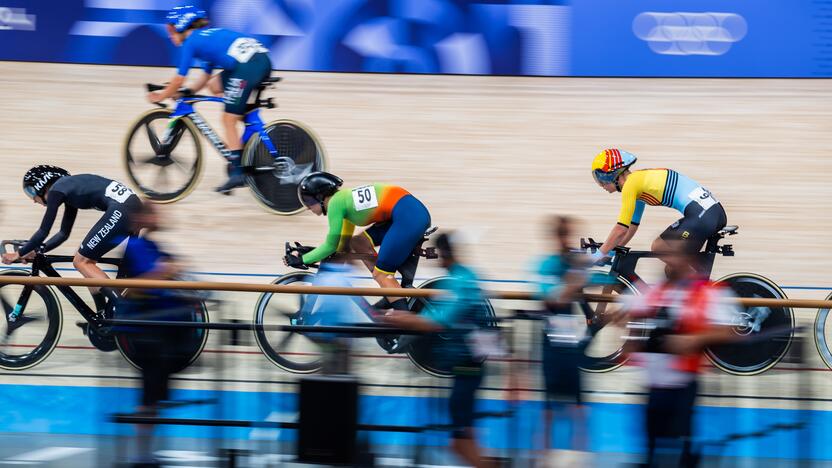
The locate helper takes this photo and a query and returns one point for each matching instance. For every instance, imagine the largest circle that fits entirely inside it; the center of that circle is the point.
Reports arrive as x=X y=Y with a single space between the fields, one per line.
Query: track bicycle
x=736 y=358
x=34 y=317
x=296 y=352
x=163 y=154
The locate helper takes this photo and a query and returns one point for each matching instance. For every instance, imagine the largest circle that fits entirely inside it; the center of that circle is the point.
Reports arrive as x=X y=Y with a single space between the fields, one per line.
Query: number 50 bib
x=364 y=197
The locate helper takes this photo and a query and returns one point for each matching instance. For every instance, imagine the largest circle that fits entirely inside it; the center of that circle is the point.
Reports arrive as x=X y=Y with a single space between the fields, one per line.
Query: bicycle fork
x=14 y=317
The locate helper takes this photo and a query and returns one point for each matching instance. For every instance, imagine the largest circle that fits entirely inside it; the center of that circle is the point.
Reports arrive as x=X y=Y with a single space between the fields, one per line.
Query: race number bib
x=364 y=197
x=703 y=197
x=117 y=192
x=244 y=48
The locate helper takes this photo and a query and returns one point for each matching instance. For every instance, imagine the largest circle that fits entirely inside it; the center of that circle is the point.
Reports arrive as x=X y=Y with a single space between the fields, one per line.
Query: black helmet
x=39 y=178
x=315 y=187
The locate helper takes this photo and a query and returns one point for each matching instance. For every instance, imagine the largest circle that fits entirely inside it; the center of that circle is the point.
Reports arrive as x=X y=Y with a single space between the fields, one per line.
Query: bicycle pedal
x=84 y=326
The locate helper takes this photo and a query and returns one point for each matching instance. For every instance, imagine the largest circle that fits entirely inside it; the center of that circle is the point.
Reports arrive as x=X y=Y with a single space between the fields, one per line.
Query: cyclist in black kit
x=52 y=187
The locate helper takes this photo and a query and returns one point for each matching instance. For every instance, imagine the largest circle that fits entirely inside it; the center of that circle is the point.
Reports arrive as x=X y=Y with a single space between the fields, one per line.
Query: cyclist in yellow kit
x=702 y=214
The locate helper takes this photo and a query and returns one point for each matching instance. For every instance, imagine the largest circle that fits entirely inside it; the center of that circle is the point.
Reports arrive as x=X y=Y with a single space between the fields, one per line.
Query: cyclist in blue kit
x=245 y=64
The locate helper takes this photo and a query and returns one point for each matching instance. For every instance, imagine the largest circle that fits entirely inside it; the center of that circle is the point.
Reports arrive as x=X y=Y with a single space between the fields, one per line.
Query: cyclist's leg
x=238 y=84
x=215 y=85
x=695 y=228
x=409 y=222
x=366 y=242
x=112 y=229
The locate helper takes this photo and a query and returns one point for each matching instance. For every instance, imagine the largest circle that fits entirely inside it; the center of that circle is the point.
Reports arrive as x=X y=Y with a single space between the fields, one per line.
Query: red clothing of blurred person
x=685 y=315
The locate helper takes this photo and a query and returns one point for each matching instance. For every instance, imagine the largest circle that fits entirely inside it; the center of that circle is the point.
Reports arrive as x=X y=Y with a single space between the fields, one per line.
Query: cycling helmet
x=39 y=178
x=315 y=187
x=610 y=163
x=182 y=17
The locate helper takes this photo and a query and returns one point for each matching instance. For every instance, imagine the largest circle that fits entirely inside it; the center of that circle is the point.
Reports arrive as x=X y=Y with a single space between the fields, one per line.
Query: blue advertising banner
x=720 y=38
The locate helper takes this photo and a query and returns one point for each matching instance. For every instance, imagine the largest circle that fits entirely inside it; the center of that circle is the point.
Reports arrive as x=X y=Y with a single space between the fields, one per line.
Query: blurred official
x=460 y=315
x=685 y=315
x=561 y=277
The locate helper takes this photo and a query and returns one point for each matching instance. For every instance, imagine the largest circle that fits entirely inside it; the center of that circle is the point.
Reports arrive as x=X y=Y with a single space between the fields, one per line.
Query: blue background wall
x=725 y=38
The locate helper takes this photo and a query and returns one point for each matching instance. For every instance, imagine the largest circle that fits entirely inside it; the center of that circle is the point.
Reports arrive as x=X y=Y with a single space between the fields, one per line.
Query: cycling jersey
x=663 y=187
x=347 y=209
x=82 y=192
x=217 y=48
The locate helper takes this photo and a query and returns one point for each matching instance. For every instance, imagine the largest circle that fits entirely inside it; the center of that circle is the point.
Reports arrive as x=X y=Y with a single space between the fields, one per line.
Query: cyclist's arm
x=631 y=210
x=614 y=239
x=66 y=228
x=333 y=237
x=631 y=232
x=185 y=62
x=53 y=202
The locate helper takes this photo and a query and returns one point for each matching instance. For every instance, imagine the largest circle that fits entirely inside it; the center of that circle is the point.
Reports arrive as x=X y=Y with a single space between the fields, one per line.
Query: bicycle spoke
x=284 y=342
x=179 y=165
x=154 y=140
x=161 y=174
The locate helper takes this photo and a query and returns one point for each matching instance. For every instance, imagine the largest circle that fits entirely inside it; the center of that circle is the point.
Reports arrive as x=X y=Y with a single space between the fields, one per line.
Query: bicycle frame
x=253 y=126
x=43 y=263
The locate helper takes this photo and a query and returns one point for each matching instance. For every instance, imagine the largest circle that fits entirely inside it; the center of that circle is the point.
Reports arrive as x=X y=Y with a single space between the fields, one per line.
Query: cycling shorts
x=238 y=83
x=398 y=237
x=697 y=225
x=112 y=229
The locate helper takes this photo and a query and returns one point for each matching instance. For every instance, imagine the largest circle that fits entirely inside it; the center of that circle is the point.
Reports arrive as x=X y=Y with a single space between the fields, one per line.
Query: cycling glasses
x=605 y=177
x=30 y=191
x=309 y=201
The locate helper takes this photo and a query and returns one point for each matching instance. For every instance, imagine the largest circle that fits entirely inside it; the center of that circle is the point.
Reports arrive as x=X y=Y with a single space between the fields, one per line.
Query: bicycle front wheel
x=823 y=334
x=290 y=351
x=422 y=351
x=274 y=179
x=42 y=321
x=186 y=348
x=762 y=354
x=606 y=348
x=163 y=156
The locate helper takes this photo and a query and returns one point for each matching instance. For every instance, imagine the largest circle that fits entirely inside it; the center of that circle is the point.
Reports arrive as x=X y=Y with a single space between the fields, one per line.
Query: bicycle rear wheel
x=823 y=334
x=760 y=355
x=606 y=349
x=190 y=343
x=290 y=351
x=163 y=172
x=34 y=341
x=422 y=351
x=274 y=181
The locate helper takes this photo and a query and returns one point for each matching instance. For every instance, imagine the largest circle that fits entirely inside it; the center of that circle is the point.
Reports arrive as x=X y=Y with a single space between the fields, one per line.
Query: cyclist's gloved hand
x=295 y=261
x=599 y=258
x=302 y=249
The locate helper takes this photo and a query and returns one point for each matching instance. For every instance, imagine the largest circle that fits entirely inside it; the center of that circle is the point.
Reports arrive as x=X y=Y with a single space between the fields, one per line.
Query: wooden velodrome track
x=493 y=156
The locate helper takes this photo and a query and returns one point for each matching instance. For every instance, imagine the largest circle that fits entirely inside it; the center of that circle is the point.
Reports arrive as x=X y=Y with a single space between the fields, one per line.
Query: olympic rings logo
x=683 y=33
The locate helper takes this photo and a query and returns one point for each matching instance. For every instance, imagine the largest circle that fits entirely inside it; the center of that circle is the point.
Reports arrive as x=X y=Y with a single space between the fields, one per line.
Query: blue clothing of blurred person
x=159 y=352
x=459 y=314
x=331 y=310
x=561 y=277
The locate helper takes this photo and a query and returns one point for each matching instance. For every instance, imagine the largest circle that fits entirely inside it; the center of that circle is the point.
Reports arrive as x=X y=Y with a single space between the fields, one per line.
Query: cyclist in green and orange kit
x=397 y=221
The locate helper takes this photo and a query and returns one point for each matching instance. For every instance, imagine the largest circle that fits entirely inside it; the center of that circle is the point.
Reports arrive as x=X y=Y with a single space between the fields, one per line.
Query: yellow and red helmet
x=610 y=163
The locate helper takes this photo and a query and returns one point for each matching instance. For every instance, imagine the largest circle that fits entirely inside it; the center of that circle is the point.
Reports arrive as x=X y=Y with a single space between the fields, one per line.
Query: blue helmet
x=182 y=17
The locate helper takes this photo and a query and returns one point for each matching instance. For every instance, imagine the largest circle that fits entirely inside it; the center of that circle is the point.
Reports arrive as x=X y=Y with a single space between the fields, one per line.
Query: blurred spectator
x=158 y=352
x=562 y=276
x=332 y=310
x=685 y=315
x=459 y=314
